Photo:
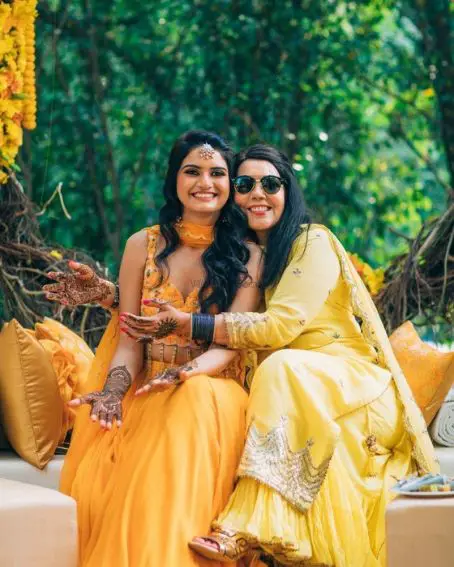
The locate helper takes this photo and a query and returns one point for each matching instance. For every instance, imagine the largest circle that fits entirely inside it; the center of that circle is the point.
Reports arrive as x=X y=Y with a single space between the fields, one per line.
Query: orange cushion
x=71 y=359
x=70 y=342
x=429 y=372
x=30 y=401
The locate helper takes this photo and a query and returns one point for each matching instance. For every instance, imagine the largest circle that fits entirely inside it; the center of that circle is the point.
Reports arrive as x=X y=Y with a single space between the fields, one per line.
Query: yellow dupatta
x=375 y=334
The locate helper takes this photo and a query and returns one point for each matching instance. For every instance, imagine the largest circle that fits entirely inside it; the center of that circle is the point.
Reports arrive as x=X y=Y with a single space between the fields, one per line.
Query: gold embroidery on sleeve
x=239 y=327
x=268 y=458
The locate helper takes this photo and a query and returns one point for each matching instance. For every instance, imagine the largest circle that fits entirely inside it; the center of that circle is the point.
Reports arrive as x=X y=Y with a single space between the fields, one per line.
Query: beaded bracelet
x=202 y=327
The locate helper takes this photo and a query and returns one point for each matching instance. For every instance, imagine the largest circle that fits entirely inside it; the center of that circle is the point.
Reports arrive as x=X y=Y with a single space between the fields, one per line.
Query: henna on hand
x=167 y=378
x=142 y=330
x=138 y=328
x=189 y=366
x=106 y=405
x=165 y=327
x=82 y=285
x=170 y=376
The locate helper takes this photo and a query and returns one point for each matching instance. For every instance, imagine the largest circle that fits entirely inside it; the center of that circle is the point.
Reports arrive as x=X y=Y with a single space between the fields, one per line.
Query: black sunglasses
x=271 y=184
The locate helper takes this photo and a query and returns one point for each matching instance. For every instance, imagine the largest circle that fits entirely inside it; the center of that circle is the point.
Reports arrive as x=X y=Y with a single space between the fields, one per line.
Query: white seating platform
x=38 y=526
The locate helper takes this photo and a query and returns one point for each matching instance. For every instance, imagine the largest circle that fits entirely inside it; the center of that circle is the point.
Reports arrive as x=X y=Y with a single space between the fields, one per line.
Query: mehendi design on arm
x=118 y=380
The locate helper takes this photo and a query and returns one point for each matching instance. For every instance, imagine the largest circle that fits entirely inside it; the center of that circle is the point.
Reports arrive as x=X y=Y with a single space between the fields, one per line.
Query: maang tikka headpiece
x=206 y=151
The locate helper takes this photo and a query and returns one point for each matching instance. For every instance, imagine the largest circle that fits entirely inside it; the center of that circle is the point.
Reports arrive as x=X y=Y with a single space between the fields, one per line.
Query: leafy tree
x=359 y=93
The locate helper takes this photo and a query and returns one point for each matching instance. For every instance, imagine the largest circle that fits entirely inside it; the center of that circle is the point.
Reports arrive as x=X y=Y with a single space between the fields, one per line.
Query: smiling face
x=263 y=210
x=203 y=186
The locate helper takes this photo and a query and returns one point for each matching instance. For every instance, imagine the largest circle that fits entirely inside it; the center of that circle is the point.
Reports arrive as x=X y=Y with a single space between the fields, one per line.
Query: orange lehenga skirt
x=145 y=490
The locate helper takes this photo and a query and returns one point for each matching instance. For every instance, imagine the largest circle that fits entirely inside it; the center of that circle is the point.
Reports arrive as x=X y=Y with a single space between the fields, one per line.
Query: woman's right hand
x=105 y=407
x=80 y=285
x=106 y=404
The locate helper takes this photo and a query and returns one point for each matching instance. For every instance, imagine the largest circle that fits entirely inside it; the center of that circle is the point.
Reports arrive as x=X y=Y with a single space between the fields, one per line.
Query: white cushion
x=446 y=458
x=38 y=526
x=442 y=427
x=13 y=467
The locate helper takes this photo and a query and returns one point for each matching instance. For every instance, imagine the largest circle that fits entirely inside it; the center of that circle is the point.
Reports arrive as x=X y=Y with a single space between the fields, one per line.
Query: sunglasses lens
x=271 y=184
x=243 y=184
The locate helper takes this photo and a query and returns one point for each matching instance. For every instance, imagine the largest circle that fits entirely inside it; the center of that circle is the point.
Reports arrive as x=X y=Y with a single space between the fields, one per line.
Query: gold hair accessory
x=206 y=151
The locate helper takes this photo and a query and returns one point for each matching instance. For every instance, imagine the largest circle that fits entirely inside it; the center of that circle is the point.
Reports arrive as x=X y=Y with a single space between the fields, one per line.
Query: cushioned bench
x=14 y=468
x=46 y=519
x=38 y=526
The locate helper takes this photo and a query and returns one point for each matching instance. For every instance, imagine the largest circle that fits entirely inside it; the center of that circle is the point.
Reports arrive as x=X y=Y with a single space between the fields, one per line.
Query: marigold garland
x=373 y=279
x=17 y=78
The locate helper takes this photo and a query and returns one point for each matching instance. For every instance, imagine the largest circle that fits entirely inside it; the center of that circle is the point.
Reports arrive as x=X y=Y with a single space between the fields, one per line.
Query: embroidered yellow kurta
x=331 y=421
x=145 y=490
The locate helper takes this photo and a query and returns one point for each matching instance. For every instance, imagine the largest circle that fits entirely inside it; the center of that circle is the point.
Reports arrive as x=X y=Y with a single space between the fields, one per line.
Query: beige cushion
x=38 y=527
x=13 y=467
x=420 y=532
x=30 y=401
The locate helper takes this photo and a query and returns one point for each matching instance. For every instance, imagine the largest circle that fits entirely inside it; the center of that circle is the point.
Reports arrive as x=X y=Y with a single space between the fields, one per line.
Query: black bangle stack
x=116 y=299
x=202 y=326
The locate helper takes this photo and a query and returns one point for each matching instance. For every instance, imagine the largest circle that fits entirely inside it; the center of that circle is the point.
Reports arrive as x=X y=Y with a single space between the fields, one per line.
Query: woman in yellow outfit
x=145 y=489
x=331 y=421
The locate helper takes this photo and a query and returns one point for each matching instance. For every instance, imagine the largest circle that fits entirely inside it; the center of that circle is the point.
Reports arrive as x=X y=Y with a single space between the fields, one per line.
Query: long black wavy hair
x=225 y=260
x=282 y=236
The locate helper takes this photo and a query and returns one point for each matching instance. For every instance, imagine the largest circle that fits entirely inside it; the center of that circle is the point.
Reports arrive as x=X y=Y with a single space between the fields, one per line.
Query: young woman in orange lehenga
x=144 y=489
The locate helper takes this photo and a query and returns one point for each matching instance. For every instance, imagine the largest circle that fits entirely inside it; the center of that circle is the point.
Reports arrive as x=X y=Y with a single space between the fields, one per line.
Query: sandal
x=230 y=545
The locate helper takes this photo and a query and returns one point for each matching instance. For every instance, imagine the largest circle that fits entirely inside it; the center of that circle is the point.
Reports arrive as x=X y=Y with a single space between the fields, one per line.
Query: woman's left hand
x=170 y=377
x=169 y=321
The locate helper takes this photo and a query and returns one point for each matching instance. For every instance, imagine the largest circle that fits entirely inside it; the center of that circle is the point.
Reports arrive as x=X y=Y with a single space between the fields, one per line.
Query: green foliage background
x=353 y=91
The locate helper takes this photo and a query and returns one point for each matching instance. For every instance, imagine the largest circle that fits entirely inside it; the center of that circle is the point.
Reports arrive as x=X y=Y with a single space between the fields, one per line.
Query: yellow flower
x=3 y=177
x=5 y=13
x=376 y=280
x=3 y=82
x=17 y=76
x=6 y=45
x=56 y=254
x=14 y=132
x=373 y=279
